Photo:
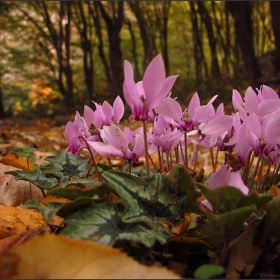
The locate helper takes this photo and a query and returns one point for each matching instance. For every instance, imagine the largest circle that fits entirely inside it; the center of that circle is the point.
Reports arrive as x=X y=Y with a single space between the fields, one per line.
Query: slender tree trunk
x=114 y=25
x=275 y=12
x=161 y=11
x=146 y=34
x=198 y=48
x=215 y=69
x=241 y=12
x=137 y=76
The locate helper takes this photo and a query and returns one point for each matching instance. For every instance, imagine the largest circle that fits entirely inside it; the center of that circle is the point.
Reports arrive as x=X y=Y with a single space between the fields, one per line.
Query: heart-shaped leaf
x=183 y=183
x=37 y=177
x=227 y=198
x=60 y=209
x=66 y=165
x=229 y=223
x=103 y=223
x=147 y=199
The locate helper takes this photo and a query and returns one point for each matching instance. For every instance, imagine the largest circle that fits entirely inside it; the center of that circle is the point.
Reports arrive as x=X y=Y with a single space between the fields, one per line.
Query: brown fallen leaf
x=242 y=255
x=14 y=193
x=182 y=228
x=56 y=256
x=11 y=242
x=16 y=219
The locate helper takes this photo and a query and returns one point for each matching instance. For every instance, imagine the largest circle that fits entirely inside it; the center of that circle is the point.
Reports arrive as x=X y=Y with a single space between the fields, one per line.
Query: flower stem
x=146 y=149
x=186 y=149
x=255 y=172
x=160 y=161
x=212 y=158
x=92 y=159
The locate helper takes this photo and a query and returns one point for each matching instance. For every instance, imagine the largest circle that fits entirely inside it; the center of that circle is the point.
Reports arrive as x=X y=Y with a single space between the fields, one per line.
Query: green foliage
x=60 y=209
x=98 y=189
x=103 y=223
x=272 y=220
x=27 y=152
x=37 y=177
x=224 y=199
x=148 y=199
x=183 y=183
x=66 y=165
x=81 y=182
x=229 y=223
x=207 y=271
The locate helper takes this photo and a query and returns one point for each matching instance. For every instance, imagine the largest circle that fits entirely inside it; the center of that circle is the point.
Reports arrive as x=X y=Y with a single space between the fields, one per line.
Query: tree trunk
x=147 y=34
x=215 y=69
x=114 y=25
x=241 y=12
x=275 y=12
x=137 y=75
x=197 y=43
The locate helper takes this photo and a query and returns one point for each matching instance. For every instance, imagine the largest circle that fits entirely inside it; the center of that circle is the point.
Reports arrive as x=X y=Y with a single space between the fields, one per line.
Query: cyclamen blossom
x=104 y=114
x=116 y=143
x=145 y=95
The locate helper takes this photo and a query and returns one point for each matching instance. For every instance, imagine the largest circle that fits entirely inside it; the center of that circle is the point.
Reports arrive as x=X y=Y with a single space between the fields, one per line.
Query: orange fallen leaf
x=17 y=161
x=182 y=228
x=16 y=219
x=274 y=190
x=56 y=256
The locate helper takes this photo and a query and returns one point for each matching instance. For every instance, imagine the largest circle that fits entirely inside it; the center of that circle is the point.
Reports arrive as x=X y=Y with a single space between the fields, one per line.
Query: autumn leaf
x=14 y=193
x=17 y=161
x=61 y=257
x=16 y=219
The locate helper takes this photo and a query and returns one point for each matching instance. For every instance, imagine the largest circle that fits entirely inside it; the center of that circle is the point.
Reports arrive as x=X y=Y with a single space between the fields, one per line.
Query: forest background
x=57 y=56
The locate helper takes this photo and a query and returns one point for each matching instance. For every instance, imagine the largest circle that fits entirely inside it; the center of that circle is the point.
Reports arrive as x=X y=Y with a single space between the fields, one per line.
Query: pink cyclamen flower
x=116 y=143
x=145 y=95
x=225 y=177
x=104 y=114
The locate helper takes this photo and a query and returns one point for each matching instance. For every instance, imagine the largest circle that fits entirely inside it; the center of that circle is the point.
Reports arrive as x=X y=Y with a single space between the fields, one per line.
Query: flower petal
x=118 y=108
x=154 y=76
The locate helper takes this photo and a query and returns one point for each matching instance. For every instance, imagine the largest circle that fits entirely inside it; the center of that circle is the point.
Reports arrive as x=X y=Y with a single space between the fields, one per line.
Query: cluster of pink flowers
x=253 y=129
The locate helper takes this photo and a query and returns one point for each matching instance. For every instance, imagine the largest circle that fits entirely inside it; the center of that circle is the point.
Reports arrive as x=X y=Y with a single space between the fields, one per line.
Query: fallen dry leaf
x=14 y=193
x=11 y=242
x=182 y=228
x=274 y=190
x=17 y=161
x=242 y=255
x=16 y=219
x=56 y=256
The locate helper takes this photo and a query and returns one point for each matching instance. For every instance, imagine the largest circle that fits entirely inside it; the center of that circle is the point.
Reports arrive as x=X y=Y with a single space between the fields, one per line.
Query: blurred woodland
x=57 y=56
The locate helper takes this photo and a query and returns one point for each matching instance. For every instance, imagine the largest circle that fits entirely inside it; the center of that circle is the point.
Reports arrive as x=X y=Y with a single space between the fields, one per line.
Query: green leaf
x=66 y=165
x=148 y=198
x=81 y=182
x=227 y=198
x=183 y=183
x=207 y=271
x=272 y=219
x=24 y=154
x=99 y=190
x=211 y=254
x=48 y=213
x=29 y=150
x=37 y=177
x=60 y=209
x=229 y=223
x=103 y=223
